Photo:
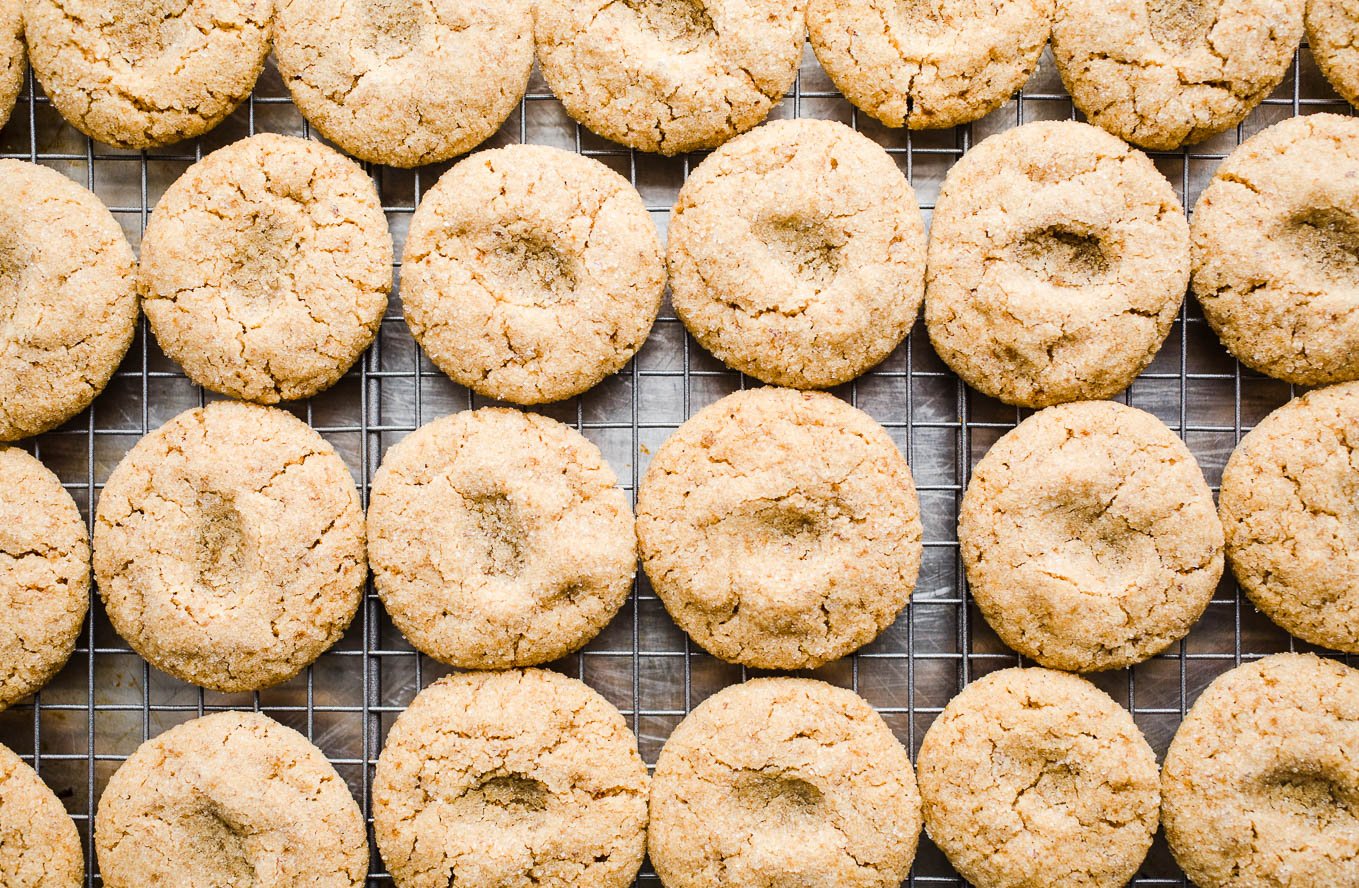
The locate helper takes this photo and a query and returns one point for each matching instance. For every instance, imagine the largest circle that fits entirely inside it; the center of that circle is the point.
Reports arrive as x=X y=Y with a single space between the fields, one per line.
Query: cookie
x=1287 y=507
x=783 y=781
x=932 y=64
x=150 y=72
x=1058 y=260
x=531 y=273
x=44 y=576
x=781 y=529
x=39 y=845
x=1090 y=538
x=68 y=298
x=229 y=546
x=510 y=778
x=13 y=57
x=1333 y=37
x=1276 y=250
x=797 y=254
x=1261 y=781
x=1036 y=777
x=499 y=538
x=405 y=83
x=1166 y=73
x=232 y=798
x=670 y=77
x=265 y=268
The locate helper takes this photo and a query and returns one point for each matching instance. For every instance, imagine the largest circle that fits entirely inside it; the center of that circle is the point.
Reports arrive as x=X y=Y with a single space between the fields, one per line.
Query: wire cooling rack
x=107 y=700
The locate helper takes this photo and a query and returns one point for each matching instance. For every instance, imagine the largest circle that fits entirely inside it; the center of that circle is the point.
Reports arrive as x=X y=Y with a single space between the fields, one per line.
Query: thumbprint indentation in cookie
x=392 y=24
x=681 y=23
x=806 y=247
x=261 y=257
x=1329 y=237
x=143 y=30
x=218 y=847
x=1063 y=256
x=1311 y=792
x=1179 y=24
x=499 y=531
x=528 y=270
x=221 y=543
x=511 y=793
x=777 y=796
x=924 y=17
x=1055 y=787
x=11 y=273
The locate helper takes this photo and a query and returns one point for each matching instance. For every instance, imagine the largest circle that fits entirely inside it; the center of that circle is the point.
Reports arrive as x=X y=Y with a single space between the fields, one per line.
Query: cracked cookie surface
x=783 y=781
x=1090 y=537
x=929 y=64
x=144 y=73
x=13 y=57
x=1288 y=503
x=232 y=798
x=68 y=298
x=797 y=254
x=510 y=780
x=1261 y=783
x=44 y=575
x=670 y=76
x=1276 y=250
x=1333 y=38
x=265 y=268
x=499 y=538
x=229 y=546
x=1058 y=260
x=1167 y=73
x=405 y=82
x=1032 y=777
x=781 y=529
x=531 y=273
x=39 y=845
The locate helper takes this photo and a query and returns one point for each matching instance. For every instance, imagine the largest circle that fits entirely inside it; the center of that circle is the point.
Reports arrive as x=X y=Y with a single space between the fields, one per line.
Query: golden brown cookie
x=670 y=76
x=1261 y=783
x=39 y=845
x=520 y=778
x=1032 y=777
x=232 y=798
x=1288 y=501
x=1167 y=73
x=143 y=73
x=229 y=546
x=1333 y=38
x=265 y=268
x=783 y=781
x=1090 y=537
x=797 y=254
x=929 y=64
x=405 y=82
x=44 y=575
x=68 y=299
x=499 y=538
x=1058 y=260
x=1276 y=250
x=531 y=273
x=13 y=57
x=781 y=529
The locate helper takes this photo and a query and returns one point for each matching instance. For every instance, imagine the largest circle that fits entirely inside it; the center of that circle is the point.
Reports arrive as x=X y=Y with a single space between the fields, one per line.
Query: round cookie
x=39 y=845
x=1288 y=505
x=1090 y=538
x=1058 y=260
x=1333 y=37
x=797 y=254
x=232 y=798
x=1261 y=783
x=44 y=576
x=1036 y=777
x=531 y=273
x=265 y=268
x=68 y=298
x=144 y=73
x=13 y=57
x=670 y=76
x=1276 y=250
x=499 y=538
x=510 y=778
x=229 y=546
x=931 y=64
x=405 y=83
x=1166 y=73
x=781 y=529
x=783 y=781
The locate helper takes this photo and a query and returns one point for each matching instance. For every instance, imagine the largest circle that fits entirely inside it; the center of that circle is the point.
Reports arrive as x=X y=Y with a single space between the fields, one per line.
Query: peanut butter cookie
x=39 y=845
x=13 y=57
x=1333 y=38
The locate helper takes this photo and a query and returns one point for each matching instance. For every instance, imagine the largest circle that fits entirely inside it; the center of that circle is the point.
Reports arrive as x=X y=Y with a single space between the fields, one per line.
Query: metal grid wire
x=107 y=700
